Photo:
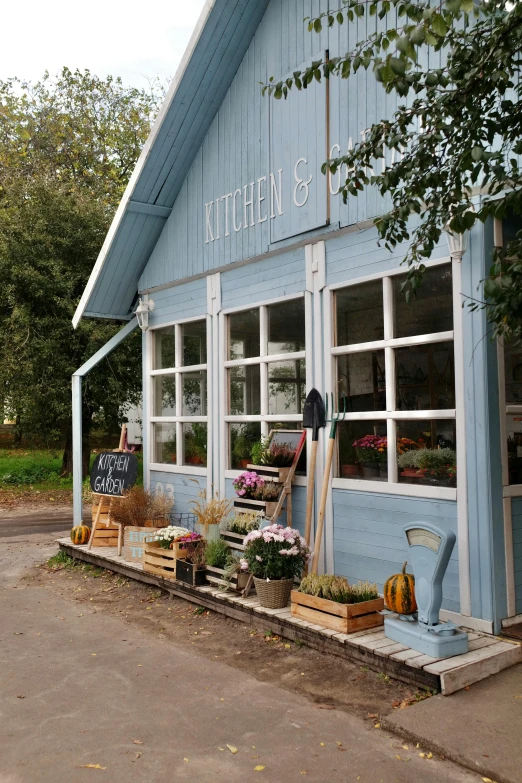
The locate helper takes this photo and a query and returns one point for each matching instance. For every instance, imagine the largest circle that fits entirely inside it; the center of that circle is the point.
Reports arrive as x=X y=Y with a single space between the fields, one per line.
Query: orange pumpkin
x=80 y=534
x=399 y=592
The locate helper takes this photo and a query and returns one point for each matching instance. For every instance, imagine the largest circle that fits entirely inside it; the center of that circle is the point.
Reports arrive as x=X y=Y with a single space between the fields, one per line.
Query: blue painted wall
x=182 y=487
x=369 y=542
x=186 y=300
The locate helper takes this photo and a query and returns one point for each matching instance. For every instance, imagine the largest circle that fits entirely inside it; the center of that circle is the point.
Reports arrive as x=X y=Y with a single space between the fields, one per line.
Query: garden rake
x=335 y=418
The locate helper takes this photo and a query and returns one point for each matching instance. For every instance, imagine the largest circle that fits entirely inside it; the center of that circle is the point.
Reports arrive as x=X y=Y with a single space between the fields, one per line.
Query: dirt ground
x=328 y=681
x=22 y=500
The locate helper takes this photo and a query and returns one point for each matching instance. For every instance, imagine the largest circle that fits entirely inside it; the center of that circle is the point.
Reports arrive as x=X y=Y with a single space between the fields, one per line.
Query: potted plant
x=438 y=465
x=272 y=460
x=269 y=494
x=275 y=555
x=209 y=514
x=347 y=459
x=235 y=529
x=191 y=568
x=241 y=444
x=372 y=453
x=223 y=566
x=332 y=602
x=408 y=464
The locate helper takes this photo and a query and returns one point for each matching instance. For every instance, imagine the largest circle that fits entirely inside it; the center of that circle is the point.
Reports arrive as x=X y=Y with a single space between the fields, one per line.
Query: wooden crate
x=161 y=562
x=261 y=506
x=133 y=542
x=269 y=473
x=234 y=540
x=237 y=582
x=185 y=572
x=344 y=618
x=105 y=535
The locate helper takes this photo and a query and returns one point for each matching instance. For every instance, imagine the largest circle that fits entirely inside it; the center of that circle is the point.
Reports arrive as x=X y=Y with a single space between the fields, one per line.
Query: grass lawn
x=33 y=476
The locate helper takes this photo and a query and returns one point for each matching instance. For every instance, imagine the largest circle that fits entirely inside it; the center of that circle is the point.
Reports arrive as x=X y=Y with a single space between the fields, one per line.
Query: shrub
x=138 y=506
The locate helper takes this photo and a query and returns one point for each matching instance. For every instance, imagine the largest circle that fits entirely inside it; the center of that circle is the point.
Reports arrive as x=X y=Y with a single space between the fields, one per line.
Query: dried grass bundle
x=210 y=512
x=140 y=508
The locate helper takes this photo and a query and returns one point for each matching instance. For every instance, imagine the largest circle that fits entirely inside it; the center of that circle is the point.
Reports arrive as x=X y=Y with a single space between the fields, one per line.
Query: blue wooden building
x=264 y=284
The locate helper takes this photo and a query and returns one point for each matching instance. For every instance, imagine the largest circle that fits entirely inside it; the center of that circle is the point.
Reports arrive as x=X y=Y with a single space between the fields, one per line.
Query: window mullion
x=392 y=451
x=263 y=351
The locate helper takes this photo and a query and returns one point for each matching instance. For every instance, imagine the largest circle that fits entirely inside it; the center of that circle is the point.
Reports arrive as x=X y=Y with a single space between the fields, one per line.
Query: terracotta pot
x=243 y=463
x=194 y=461
x=412 y=473
x=349 y=470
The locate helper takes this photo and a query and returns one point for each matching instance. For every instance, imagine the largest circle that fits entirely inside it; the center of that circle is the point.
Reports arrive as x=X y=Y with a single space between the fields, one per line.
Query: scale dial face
x=419 y=536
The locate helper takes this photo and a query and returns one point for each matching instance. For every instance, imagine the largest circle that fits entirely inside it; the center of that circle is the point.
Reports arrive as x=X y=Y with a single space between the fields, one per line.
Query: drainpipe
x=77 y=412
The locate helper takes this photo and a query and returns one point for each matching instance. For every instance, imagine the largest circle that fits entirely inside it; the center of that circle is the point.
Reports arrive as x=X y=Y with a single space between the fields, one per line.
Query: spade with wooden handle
x=335 y=417
x=314 y=417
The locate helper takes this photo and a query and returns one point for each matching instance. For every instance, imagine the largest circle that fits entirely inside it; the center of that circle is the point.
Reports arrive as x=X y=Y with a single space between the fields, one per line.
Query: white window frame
x=177 y=371
x=391 y=415
x=508 y=490
x=263 y=360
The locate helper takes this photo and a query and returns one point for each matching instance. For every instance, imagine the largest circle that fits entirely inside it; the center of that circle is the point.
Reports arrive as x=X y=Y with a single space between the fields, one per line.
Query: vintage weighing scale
x=429 y=550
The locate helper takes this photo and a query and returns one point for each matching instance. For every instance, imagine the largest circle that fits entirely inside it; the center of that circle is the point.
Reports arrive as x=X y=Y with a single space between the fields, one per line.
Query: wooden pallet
x=236 y=582
x=345 y=618
x=161 y=562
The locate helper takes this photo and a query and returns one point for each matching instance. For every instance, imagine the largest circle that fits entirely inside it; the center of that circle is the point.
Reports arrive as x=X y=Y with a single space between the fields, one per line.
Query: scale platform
x=444 y=641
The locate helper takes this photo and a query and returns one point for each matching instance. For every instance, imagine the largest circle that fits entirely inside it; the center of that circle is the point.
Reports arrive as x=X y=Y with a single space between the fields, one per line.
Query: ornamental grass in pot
x=274 y=555
x=209 y=514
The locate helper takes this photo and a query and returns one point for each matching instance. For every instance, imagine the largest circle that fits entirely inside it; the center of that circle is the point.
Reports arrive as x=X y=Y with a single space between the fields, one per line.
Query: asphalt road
x=33 y=522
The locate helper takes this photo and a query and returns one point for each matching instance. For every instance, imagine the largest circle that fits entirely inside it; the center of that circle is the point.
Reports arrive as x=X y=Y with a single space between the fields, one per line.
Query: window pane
x=513 y=373
x=164 y=348
x=194 y=341
x=362 y=450
x=427 y=452
x=244 y=390
x=292 y=425
x=165 y=443
x=359 y=314
x=286 y=386
x=243 y=330
x=164 y=395
x=514 y=447
x=286 y=327
x=194 y=393
x=431 y=310
x=195 y=444
x=361 y=380
x=425 y=377
x=242 y=438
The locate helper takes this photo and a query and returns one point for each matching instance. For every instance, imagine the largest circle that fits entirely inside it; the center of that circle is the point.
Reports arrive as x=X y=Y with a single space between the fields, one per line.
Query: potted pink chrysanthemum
x=274 y=555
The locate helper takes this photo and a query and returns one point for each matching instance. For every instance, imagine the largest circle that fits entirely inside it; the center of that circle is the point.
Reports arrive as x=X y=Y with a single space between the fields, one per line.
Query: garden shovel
x=313 y=417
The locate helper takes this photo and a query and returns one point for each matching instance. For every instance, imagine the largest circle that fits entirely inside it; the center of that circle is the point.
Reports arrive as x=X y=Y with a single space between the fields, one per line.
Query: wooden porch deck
x=487 y=654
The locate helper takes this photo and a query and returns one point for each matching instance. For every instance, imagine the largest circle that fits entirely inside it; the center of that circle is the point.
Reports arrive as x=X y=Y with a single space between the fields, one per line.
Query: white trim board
x=389 y=488
x=473 y=623
x=189 y=470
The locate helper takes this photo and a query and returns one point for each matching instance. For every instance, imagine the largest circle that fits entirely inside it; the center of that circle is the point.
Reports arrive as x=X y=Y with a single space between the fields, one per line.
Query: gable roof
x=218 y=44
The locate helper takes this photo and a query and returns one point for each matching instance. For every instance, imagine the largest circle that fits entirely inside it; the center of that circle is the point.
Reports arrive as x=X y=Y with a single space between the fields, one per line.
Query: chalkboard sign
x=290 y=438
x=112 y=473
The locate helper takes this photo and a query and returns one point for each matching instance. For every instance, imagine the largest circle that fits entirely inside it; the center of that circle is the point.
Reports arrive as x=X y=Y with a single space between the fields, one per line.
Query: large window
x=512 y=360
x=395 y=376
x=179 y=394
x=266 y=374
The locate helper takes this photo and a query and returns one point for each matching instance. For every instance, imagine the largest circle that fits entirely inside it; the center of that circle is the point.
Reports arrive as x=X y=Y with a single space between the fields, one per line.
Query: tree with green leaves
x=458 y=133
x=67 y=149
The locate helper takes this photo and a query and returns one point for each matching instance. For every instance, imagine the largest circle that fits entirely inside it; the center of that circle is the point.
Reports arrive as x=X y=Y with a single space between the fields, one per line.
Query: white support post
x=77 y=448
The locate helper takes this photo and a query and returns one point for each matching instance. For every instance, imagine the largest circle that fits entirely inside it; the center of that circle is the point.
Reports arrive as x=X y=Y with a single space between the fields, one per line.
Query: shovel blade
x=314 y=415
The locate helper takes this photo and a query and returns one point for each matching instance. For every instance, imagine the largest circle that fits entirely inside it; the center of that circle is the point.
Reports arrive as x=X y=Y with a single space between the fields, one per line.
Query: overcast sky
x=134 y=40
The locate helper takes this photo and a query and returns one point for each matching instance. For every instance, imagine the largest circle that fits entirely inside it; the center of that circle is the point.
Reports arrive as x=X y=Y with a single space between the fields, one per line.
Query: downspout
x=77 y=412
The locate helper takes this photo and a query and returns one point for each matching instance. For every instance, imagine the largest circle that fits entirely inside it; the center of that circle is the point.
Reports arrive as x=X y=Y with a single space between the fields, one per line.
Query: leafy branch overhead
x=457 y=134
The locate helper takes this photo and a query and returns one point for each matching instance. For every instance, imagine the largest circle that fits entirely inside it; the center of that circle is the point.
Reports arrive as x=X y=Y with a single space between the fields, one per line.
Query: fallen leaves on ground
x=91 y=766
x=137 y=742
x=259 y=768
x=231 y=748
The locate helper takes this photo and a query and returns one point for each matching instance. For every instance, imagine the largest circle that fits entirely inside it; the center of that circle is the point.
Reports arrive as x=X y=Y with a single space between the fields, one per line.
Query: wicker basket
x=275 y=593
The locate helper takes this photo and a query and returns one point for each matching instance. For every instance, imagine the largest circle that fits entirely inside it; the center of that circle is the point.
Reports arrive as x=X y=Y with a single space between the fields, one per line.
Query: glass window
x=194 y=341
x=164 y=395
x=242 y=438
x=180 y=442
x=513 y=373
x=164 y=443
x=359 y=313
x=286 y=386
x=245 y=387
x=363 y=450
x=195 y=444
x=426 y=452
x=431 y=310
x=243 y=335
x=164 y=348
x=286 y=327
x=425 y=376
x=194 y=393
x=361 y=381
